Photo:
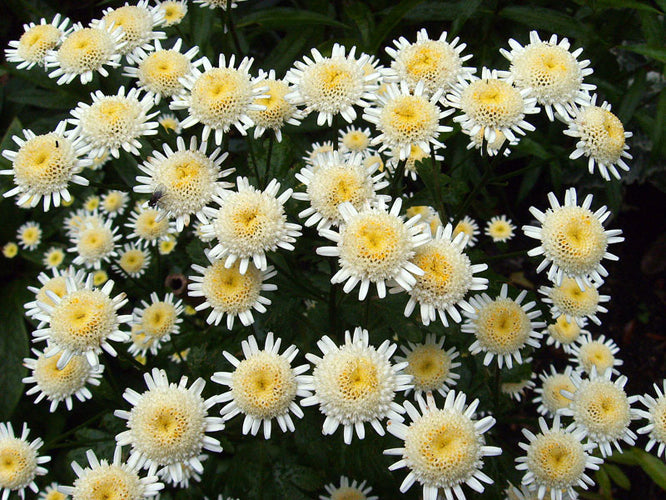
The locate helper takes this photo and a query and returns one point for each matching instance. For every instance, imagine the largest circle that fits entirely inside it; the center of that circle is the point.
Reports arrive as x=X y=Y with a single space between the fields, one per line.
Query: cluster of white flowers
x=242 y=225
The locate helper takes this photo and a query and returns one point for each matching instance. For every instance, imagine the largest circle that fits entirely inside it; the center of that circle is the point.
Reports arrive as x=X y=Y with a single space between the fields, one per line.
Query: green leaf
x=632 y=98
x=652 y=28
x=617 y=476
x=652 y=466
x=390 y=21
x=659 y=124
x=622 y=4
x=281 y=17
x=604 y=482
x=546 y=19
x=657 y=53
x=362 y=17
x=440 y=11
x=46 y=99
x=625 y=458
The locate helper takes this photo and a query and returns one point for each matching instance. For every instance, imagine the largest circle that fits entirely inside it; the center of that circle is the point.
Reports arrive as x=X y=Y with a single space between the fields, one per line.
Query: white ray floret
x=500 y=229
x=20 y=461
x=549 y=395
x=29 y=235
x=55 y=284
x=574 y=302
x=350 y=490
x=133 y=260
x=95 y=243
x=157 y=321
x=355 y=384
x=588 y=352
x=656 y=418
x=263 y=386
x=36 y=41
x=443 y=448
x=174 y=11
x=563 y=333
x=354 y=139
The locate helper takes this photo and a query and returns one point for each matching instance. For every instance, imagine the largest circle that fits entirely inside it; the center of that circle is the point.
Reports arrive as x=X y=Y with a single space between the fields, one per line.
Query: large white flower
x=36 y=41
x=656 y=418
x=20 y=461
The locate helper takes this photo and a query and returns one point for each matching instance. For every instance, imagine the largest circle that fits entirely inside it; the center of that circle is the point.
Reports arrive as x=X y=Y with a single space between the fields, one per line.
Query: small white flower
x=94 y=242
x=156 y=322
x=499 y=228
x=574 y=302
x=53 y=257
x=599 y=353
x=132 y=260
x=550 y=397
x=55 y=284
x=516 y=390
x=113 y=203
x=468 y=227
x=355 y=140
x=656 y=417
x=563 y=333
x=29 y=235
x=36 y=41
x=20 y=461
x=347 y=490
x=174 y=11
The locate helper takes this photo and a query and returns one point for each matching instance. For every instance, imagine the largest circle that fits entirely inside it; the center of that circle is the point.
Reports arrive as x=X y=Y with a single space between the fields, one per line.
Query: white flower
x=159 y=70
x=468 y=227
x=263 y=386
x=333 y=179
x=656 y=417
x=374 y=245
x=602 y=410
x=137 y=22
x=102 y=479
x=405 y=118
x=573 y=239
x=170 y=123
x=448 y=277
x=182 y=182
x=156 y=321
x=167 y=425
x=113 y=203
x=600 y=354
x=347 y=490
x=211 y=4
x=188 y=472
x=355 y=140
x=85 y=51
x=502 y=326
x=51 y=493
x=228 y=291
x=549 y=397
x=53 y=257
x=219 y=97
x=601 y=137
x=55 y=284
x=94 y=243
x=82 y=321
x=332 y=85
x=550 y=72
x=248 y=223
x=113 y=122
x=563 y=333
x=36 y=41
x=430 y=365
x=574 y=302
x=437 y=63
x=499 y=228
x=132 y=260
x=491 y=103
x=20 y=461
x=355 y=384
x=279 y=110
x=29 y=235
x=174 y=11
x=317 y=149
x=443 y=448
x=478 y=141
x=556 y=459
x=58 y=385
x=44 y=165
x=416 y=156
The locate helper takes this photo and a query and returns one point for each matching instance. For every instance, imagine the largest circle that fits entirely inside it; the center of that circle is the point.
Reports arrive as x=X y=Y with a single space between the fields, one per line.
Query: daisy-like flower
x=601 y=137
x=219 y=97
x=248 y=223
x=20 y=461
x=91 y=203
x=53 y=257
x=228 y=291
x=469 y=227
x=279 y=110
x=147 y=227
x=189 y=474
x=333 y=179
x=405 y=118
x=10 y=250
x=563 y=333
x=499 y=228
x=355 y=140
x=599 y=353
x=551 y=72
x=76 y=221
x=430 y=365
x=263 y=386
x=168 y=424
x=167 y=246
x=348 y=490
x=85 y=51
x=448 y=277
x=159 y=70
x=502 y=326
x=51 y=493
x=82 y=322
x=443 y=448
x=54 y=284
x=317 y=149
x=99 y=160
x=656 y=417
x=492 y=148
x=100 y=277
x=94 y=244
x=157 y=321
x=132 y=260
x=174 y=11
x=555 y=460
x=416 y=156
x=118 y=479
x=170 y=123
x=573 y=239
x=58 y=385
x=437 y=63
x=602 y=410
x=29 y=235
x=355 y=384
x=184 y=181
x=516 y=390
x=113 y=122
x=549 y=395
x=44 y=165
x=491 y=103
x=222 y=4
x=332 y=85
x=137 y=22
x=375 y=245
x=36 y=41
x=574 y=302
x=113 y=203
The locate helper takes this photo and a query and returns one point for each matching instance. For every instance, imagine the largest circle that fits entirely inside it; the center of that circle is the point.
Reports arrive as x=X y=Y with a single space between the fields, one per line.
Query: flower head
x=469 y=228
x=29 y=235
x=348 y=491
x=9 y=250
x=599 y=353
x=167 y=425
x=53 y=257
x=156 y=322
x=20 y=461
x=113 y=203
x=355 y=140
x=573 y=239
x=56 y=284
x=94 y=242
x=132 y=260
x=36 y=41
x=174 y=11
x=550 y=397
x=563 y=333
x=443 y=448
x=263 y=386
x=574 y=302
x=51 y=493
x=499 y=228
x=355 y=384
x=656 y=417
x=170 y=123
x=279 y=110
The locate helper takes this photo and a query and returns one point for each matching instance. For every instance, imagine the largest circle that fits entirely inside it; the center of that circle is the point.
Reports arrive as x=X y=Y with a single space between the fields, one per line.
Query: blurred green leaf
x=657 y=53
x=362 y=17
x=390 y=20
x=632 y=97
x=617 y=476
x=550 y=20
x=622 y=4
x=604 y=483
x=281 y=17
x=653 y=467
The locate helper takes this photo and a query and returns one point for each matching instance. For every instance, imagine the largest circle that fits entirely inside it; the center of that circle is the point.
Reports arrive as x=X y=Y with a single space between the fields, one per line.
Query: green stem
x=398 y=174
x=254 y=163
x=271 y=140
x=229 y=22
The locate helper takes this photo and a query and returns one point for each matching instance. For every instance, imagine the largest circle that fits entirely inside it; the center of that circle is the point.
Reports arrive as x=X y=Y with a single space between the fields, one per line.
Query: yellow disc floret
x=18 y=462
x=228 y=290
x=37 y=41
x=502 y=326
x=160 y=72
x=86 y=49
x=557 y=459
x=603 y=134
x=409 y=119
x=220 y=96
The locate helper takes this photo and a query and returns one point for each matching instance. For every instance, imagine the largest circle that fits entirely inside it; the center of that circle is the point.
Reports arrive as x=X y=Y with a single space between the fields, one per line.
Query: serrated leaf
x=281 y=17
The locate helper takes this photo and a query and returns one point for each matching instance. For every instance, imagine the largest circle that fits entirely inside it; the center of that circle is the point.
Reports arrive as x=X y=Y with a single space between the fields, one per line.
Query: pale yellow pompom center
x=447 y=277
x=220 y=96
x=434 y=62
x=86 y=49
x=356 y=140
x=556 y=459
x=551 y=395
x=595 y=354
x=44 y=163
x=492 y=103
x=36 y=41
x=57 y=383
x=132 y=261
x=409 y=119
x=160 y=71
x=108 y=482
x=348 y=493
x=136 y=22
x=549 y=70
x=332 y=185
x=429 y=365
x=502 y=326
x=278 y=109
x=563 y=331
x=147 y=226
x=570 y=299
x=159 y=319
x=17 y=463
x=603 y=408
x=174 y=12
x=602 y=132
x=228 y=289
x=94 y=243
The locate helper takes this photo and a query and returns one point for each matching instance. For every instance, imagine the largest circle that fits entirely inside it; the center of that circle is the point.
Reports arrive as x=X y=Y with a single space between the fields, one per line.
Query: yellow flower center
x=35 y=42
x=229 y=290
x=132 y=261
x=358 y=379
x=148 y=228
x=17 y=463
x=557 y=459
x=409 y=118
x=502 y=326
x=429 y=365
x=356 y=141
x=160 y=71
x=85 y=50
x=159 y=319
x=492 y=103
x=44 y=163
